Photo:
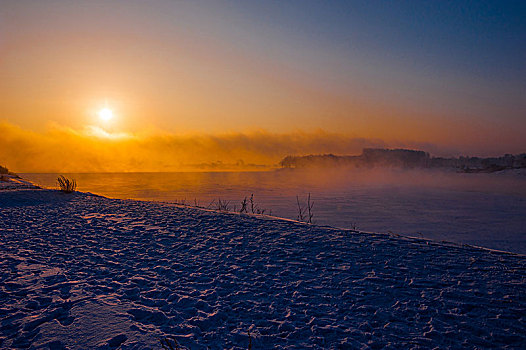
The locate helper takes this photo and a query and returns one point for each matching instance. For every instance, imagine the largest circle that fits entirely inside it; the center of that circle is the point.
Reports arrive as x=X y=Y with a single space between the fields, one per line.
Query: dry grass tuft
x=66 y=185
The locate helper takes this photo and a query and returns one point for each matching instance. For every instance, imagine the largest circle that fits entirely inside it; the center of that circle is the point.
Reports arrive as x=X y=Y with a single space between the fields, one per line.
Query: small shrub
x=3 y=170
x=243 y=206
x=66 y=185
x=305 y=214
x=223 y=205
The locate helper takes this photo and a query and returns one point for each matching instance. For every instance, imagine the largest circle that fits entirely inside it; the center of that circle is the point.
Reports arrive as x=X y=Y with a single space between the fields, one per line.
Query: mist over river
x=487 y=210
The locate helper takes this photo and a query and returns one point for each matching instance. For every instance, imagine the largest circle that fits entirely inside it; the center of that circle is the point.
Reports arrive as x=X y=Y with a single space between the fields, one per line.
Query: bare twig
x=210 y=204
x=252 y=206
x=223 y=205
x=243 y=206
x=310 y=204
x=301 y=210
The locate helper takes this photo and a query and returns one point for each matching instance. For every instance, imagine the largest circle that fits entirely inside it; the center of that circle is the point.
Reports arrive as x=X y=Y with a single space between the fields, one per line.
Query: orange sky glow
x=204 y=84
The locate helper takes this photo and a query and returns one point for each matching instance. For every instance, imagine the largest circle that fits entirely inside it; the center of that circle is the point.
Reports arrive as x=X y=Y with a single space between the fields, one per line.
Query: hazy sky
x=448 y=73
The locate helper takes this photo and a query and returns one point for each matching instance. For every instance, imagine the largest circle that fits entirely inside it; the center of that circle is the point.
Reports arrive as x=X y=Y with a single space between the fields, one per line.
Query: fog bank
x=62 y=149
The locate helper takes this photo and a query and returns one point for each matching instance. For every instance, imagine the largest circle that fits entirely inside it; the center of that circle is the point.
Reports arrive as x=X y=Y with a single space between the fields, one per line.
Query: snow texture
x=81 y=271
x=13 y=182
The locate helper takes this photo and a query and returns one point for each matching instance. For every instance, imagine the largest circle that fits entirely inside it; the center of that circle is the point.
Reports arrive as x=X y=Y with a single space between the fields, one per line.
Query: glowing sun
x=105 y=114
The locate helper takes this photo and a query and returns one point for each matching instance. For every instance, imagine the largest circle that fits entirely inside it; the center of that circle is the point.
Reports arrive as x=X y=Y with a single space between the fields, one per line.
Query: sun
x=105 y=114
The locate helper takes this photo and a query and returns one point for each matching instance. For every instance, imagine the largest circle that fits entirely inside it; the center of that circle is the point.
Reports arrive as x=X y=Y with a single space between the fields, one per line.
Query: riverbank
x=84 y=271
x=477 y=209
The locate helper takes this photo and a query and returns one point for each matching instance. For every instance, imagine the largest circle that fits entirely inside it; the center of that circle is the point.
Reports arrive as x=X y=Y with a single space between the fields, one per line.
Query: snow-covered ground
x=13 y=182
x=81 y=271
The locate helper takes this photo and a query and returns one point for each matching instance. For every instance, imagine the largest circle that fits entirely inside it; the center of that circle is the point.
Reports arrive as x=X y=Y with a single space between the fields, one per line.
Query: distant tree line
x=406 y=158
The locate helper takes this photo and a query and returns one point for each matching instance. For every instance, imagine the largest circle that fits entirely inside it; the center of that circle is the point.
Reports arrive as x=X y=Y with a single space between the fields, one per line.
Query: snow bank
x=13 y=182
x=81 y=271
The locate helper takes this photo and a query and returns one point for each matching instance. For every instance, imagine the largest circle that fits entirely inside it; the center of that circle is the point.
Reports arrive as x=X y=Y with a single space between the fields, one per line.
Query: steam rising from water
x=62 y=149
x=480 y=209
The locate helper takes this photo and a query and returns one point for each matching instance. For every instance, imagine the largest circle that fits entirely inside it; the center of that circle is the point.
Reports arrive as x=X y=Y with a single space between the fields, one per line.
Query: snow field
x=81 y=271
